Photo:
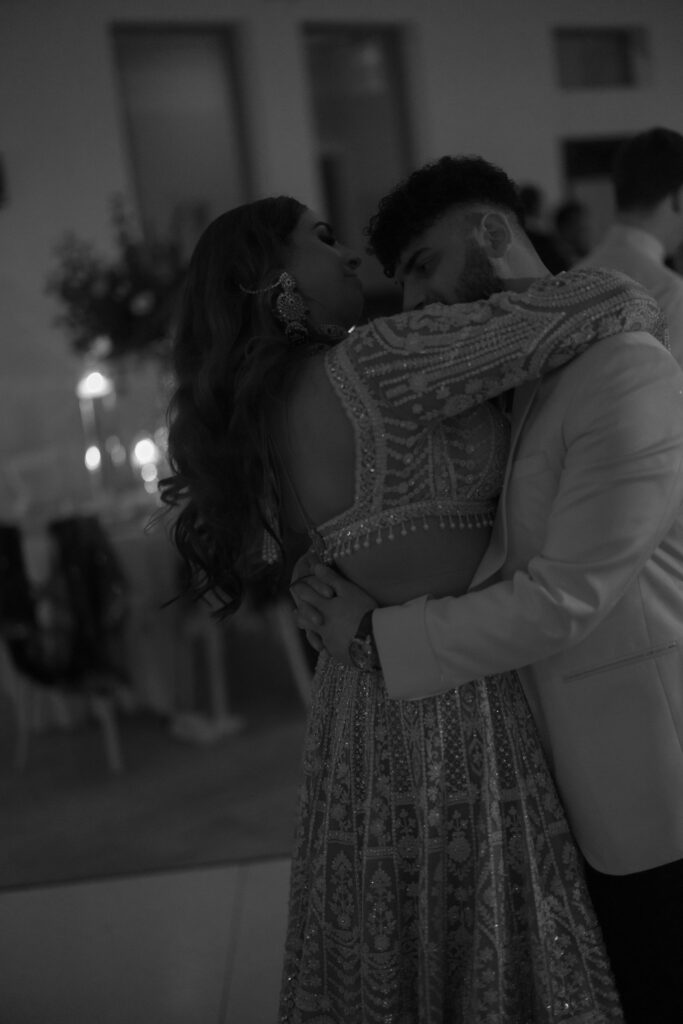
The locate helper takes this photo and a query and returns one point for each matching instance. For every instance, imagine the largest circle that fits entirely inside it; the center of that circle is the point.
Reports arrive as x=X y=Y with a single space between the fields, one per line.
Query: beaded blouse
x=430 y=446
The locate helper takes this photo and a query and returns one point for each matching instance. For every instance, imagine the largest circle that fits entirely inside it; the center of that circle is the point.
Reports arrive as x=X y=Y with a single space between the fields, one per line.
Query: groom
x=581 y=588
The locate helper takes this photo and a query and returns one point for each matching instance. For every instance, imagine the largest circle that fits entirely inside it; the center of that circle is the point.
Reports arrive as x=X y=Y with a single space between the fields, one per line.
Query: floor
x=177 y=805
x=201 y=946
x=168 y=945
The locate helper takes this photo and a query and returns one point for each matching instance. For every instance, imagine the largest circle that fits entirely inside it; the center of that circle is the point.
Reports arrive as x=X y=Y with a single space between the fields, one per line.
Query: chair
x=64 y=637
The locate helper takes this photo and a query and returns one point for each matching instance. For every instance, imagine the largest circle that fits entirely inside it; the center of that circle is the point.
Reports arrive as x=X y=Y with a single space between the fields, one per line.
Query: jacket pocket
x=649 y=655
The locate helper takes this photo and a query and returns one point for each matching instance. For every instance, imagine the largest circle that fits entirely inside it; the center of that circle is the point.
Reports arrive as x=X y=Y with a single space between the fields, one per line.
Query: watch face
x=359 y=654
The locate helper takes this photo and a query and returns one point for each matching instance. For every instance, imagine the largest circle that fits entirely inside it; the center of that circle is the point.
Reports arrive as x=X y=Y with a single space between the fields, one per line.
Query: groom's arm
x=620 y=491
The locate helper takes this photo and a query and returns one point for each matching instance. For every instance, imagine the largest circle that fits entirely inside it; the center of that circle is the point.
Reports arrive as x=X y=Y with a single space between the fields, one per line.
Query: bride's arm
x=442 y=360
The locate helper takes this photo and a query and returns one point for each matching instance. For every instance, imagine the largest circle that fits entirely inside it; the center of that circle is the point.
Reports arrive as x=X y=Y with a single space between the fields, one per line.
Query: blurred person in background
x=434 y=876
x=542 y=239
x=570 y=237
x=648 y=185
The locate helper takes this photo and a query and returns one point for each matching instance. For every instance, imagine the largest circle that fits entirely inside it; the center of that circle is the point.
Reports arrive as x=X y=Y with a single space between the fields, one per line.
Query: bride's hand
x=303 y=583
x=330 y=607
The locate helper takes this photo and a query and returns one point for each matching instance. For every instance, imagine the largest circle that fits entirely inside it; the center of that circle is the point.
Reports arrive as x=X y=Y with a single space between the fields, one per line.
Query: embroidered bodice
x=406 y=474
x=430 y=448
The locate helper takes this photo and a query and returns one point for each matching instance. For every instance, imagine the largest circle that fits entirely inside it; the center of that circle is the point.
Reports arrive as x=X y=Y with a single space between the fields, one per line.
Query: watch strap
x=362 y=649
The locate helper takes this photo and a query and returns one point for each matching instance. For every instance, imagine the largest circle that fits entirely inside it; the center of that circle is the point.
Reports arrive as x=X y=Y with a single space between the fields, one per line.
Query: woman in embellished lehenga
x=434 y=878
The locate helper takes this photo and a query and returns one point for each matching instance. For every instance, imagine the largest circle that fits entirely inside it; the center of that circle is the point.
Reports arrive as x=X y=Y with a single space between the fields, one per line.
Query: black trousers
x=641 y=916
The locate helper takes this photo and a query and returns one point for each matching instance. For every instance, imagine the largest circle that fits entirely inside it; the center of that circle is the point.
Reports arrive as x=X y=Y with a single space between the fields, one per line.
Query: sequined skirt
x=434 y=878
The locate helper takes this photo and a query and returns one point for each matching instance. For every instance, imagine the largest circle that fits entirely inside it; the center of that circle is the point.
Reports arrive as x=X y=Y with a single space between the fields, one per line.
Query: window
x=361 y=125
x=182 y=113
x=600 y=58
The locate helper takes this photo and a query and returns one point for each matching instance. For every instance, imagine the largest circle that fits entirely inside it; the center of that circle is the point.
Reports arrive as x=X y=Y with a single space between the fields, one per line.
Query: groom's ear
x=494 y=234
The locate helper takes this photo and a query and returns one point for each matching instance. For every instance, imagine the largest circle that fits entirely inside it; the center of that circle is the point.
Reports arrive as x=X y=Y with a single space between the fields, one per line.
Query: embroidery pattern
x=415 y=390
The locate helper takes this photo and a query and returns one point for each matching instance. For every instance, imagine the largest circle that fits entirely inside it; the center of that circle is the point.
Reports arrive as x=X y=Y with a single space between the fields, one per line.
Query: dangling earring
x=290 y=308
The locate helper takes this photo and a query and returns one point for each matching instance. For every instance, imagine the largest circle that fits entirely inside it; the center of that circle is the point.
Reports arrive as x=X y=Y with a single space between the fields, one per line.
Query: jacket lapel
x=496 y=553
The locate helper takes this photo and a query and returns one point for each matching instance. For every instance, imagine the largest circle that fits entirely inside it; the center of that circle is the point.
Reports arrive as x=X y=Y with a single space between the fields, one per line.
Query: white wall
x=482 y=80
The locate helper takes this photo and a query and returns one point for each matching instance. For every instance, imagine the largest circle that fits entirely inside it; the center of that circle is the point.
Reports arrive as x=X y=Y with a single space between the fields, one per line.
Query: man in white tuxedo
x=648 y=189
x=581 y=588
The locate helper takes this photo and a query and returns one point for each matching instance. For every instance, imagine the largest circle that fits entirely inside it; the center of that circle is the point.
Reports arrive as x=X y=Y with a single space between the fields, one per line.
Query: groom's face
x=446 y=264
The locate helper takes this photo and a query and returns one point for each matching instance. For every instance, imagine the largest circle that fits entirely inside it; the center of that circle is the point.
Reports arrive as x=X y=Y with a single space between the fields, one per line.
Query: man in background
x=648 y=183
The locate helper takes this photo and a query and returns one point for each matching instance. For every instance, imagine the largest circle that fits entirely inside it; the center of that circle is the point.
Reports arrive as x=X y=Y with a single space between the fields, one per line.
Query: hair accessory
x=290 y=308
x=260 y=291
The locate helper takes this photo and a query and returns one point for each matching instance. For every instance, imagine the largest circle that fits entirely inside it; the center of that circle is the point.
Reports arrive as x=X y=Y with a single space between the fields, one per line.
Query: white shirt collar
x=639 y=239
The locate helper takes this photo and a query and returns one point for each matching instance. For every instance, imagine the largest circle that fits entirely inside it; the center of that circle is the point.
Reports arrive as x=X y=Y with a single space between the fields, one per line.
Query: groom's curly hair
x=418 y=201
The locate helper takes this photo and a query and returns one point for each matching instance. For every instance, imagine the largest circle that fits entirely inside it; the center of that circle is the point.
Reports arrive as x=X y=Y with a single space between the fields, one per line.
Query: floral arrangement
x=123 y=306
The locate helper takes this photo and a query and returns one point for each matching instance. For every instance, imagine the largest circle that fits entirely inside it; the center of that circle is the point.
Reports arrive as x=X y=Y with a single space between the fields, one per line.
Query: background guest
x=648 y=183
x=532 y=199
x=571 y=232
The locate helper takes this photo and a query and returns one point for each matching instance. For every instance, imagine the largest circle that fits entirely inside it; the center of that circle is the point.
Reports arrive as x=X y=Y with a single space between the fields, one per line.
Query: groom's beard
x=477 y=280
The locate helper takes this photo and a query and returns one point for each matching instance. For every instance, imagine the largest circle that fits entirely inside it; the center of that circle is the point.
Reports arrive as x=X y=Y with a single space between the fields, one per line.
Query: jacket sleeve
x=674 y=319
x=442 y=360
x=619 y=492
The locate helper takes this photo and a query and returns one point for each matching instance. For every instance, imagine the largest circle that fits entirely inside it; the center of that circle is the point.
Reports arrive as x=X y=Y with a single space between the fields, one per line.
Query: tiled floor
x=193 y=947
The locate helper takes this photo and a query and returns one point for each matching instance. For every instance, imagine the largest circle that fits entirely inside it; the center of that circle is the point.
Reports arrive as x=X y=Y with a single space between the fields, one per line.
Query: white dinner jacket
x=583 y=584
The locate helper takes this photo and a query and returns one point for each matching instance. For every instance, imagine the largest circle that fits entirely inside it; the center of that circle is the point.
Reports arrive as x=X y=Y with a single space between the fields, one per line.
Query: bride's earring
x=290 y=308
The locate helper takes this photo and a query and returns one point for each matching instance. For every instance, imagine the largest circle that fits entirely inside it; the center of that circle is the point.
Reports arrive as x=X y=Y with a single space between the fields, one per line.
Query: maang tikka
x=290 y=308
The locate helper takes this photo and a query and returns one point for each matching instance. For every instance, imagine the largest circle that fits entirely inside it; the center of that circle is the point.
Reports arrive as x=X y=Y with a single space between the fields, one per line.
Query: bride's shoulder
x=310 y=377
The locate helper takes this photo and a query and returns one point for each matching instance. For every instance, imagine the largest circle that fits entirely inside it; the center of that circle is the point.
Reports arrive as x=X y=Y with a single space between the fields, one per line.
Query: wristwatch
x=362 y=648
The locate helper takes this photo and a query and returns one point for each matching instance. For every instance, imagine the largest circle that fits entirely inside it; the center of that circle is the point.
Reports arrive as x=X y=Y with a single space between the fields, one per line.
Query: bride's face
x=325 y=272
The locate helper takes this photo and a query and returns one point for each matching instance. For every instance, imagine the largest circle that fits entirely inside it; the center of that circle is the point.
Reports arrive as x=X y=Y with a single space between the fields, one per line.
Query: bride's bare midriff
x=436 y=561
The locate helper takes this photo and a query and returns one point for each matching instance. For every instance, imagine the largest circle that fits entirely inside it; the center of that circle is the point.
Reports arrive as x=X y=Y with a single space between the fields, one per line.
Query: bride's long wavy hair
x=231 y=361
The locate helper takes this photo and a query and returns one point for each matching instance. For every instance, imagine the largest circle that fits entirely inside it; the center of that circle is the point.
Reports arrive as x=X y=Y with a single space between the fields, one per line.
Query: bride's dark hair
x=231 y=359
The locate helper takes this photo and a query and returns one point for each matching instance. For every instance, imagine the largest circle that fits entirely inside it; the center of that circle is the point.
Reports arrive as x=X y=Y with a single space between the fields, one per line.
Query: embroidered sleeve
x=439 y=361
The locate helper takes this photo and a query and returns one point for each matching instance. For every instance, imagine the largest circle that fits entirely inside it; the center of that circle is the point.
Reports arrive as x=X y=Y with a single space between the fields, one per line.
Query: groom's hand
x=331 y=608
